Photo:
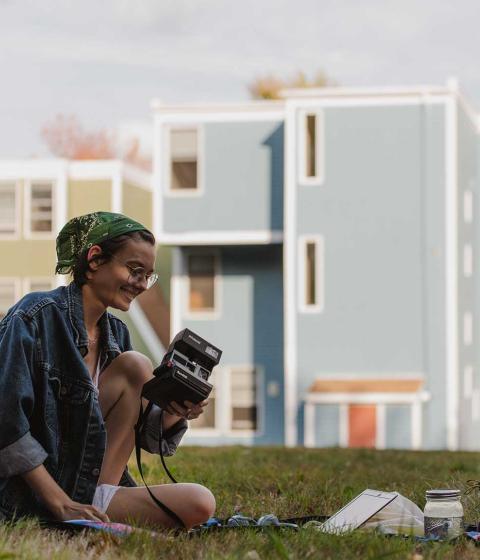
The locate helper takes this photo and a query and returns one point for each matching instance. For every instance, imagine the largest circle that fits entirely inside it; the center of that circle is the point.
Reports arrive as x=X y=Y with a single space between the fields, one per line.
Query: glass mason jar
x=443 y=514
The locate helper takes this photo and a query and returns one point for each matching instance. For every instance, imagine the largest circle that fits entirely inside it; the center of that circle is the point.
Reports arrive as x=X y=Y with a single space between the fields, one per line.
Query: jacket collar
x=75 y=311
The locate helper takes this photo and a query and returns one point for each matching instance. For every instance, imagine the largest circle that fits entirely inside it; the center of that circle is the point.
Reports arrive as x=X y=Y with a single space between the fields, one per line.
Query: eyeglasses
x=138 y=274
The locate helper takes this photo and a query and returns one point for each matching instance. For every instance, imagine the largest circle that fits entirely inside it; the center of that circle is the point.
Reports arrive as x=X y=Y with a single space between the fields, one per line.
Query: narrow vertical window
x=41 y=207
x=201 y=274
x=184 y=159
x=8 y=208
x=467 y=260
x=311 y=274
x=467 y=382
x=311 y=162
x=467 y=328
x=468 y=207
x=311 y=145
x=475 y=405
x=243 y=383
x=7 y=297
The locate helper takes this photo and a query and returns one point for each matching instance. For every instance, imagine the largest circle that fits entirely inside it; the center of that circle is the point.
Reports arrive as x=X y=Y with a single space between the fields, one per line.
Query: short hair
x=109 y=248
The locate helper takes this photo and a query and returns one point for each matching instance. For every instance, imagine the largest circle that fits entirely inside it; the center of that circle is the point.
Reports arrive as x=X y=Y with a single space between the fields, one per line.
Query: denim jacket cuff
x=21 y=456
x=172 y=436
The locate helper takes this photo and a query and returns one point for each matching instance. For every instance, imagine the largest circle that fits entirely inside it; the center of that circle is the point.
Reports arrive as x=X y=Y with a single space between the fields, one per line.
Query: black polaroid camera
x=184 y=371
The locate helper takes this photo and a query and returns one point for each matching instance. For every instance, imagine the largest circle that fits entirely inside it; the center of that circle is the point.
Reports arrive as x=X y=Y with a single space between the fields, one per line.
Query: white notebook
x=358 y=511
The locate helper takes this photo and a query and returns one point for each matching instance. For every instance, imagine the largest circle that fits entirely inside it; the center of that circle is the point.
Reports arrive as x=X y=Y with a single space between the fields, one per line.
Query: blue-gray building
x=326 y=242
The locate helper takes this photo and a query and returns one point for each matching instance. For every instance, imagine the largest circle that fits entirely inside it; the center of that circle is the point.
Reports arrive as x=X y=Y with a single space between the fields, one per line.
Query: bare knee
x=136 y=367
x=201 y=505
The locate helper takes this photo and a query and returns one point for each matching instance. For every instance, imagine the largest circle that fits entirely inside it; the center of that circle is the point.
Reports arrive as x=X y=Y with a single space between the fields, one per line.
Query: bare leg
x=193 y=503
x=120 y=388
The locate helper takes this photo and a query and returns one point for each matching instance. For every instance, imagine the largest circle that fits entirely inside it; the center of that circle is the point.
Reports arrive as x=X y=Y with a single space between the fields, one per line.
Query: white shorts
x=103 y=496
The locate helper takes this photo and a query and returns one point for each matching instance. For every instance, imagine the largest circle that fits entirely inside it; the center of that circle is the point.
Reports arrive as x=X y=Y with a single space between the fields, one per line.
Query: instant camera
x=184 y=371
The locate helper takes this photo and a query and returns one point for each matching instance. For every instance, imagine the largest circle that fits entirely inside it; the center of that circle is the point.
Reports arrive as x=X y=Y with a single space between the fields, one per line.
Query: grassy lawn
x=287 y=482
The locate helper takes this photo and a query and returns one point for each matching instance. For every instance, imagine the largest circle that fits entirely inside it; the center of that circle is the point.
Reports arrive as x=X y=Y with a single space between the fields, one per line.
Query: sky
x=105 y=60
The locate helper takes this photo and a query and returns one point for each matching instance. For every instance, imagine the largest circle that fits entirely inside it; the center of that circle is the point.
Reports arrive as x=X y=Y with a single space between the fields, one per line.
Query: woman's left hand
x=189 y=411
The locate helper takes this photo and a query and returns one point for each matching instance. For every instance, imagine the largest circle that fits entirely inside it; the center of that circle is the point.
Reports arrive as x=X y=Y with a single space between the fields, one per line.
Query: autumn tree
x=270 y=86
x=66 y=138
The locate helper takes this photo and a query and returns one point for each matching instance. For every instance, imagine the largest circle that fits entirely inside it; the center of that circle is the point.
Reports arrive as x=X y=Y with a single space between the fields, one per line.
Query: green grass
x=287 y=482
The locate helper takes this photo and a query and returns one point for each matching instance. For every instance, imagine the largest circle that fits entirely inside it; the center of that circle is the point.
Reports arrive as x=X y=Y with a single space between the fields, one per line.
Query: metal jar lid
x=442 y=494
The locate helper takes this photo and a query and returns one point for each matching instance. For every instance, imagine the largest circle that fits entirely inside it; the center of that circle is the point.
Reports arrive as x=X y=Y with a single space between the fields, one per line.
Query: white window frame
x=27 y=282
x=17 y=286
x=18 y=216
x=319 y=241
x=203 y=315
x=319 y=178
x=166 y=175
x=28 y=233
x=223 y=405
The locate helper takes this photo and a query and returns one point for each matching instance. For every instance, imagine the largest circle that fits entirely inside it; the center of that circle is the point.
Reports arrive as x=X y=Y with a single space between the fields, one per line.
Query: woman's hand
x=189 y=410
x=73 y=510
x=56 y=500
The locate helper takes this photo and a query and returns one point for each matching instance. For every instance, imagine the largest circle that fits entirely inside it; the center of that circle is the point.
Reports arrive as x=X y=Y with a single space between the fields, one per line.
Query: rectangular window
x=468 y=207
x=467 y=328
x=467 y=260
x=467 y=382
x=311 y=274
x=201 y=274
x=243 y=382
x=40 y=285
x=183 y=159
x=311 y=145
x=207 y=419
x=7 y=296
x=41 y=207
x=8 y=208
x=311 y=161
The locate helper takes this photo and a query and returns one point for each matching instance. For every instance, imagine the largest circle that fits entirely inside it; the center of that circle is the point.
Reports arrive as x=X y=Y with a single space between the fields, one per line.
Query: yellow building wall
x=137 y=204
x=27 y=257
x=88 y=196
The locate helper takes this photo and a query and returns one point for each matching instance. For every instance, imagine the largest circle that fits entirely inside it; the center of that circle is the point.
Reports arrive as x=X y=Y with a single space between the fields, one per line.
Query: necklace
x=92 y=341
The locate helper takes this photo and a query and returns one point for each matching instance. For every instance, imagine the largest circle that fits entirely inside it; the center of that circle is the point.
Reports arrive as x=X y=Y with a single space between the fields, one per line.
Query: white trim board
x=451 y=274
x=289 y=279
x=221 y=238
x=367 y=398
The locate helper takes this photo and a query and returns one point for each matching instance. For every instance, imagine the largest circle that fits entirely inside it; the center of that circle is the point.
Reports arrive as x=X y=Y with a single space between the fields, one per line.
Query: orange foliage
x=270 y=87
x=66 y=138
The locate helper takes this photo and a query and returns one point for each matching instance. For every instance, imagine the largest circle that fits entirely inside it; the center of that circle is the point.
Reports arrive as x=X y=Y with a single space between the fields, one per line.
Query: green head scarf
x=82 y=232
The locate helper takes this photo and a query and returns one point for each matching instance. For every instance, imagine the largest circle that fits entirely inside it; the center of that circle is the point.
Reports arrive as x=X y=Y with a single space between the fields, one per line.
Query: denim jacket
x=49 y=410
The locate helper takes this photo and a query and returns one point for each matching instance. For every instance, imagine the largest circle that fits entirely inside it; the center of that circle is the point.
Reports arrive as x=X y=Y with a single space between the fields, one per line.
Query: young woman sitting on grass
x=70 y=388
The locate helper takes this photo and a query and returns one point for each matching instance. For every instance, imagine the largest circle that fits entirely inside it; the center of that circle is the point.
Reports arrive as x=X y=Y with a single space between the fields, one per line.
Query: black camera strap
x=139 y=426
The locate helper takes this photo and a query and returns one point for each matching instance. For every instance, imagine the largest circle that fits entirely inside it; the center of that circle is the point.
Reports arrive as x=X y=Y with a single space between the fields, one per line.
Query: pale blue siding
x=398 y=427
x=327 y=425
x=249 y=328
x=242 y=179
